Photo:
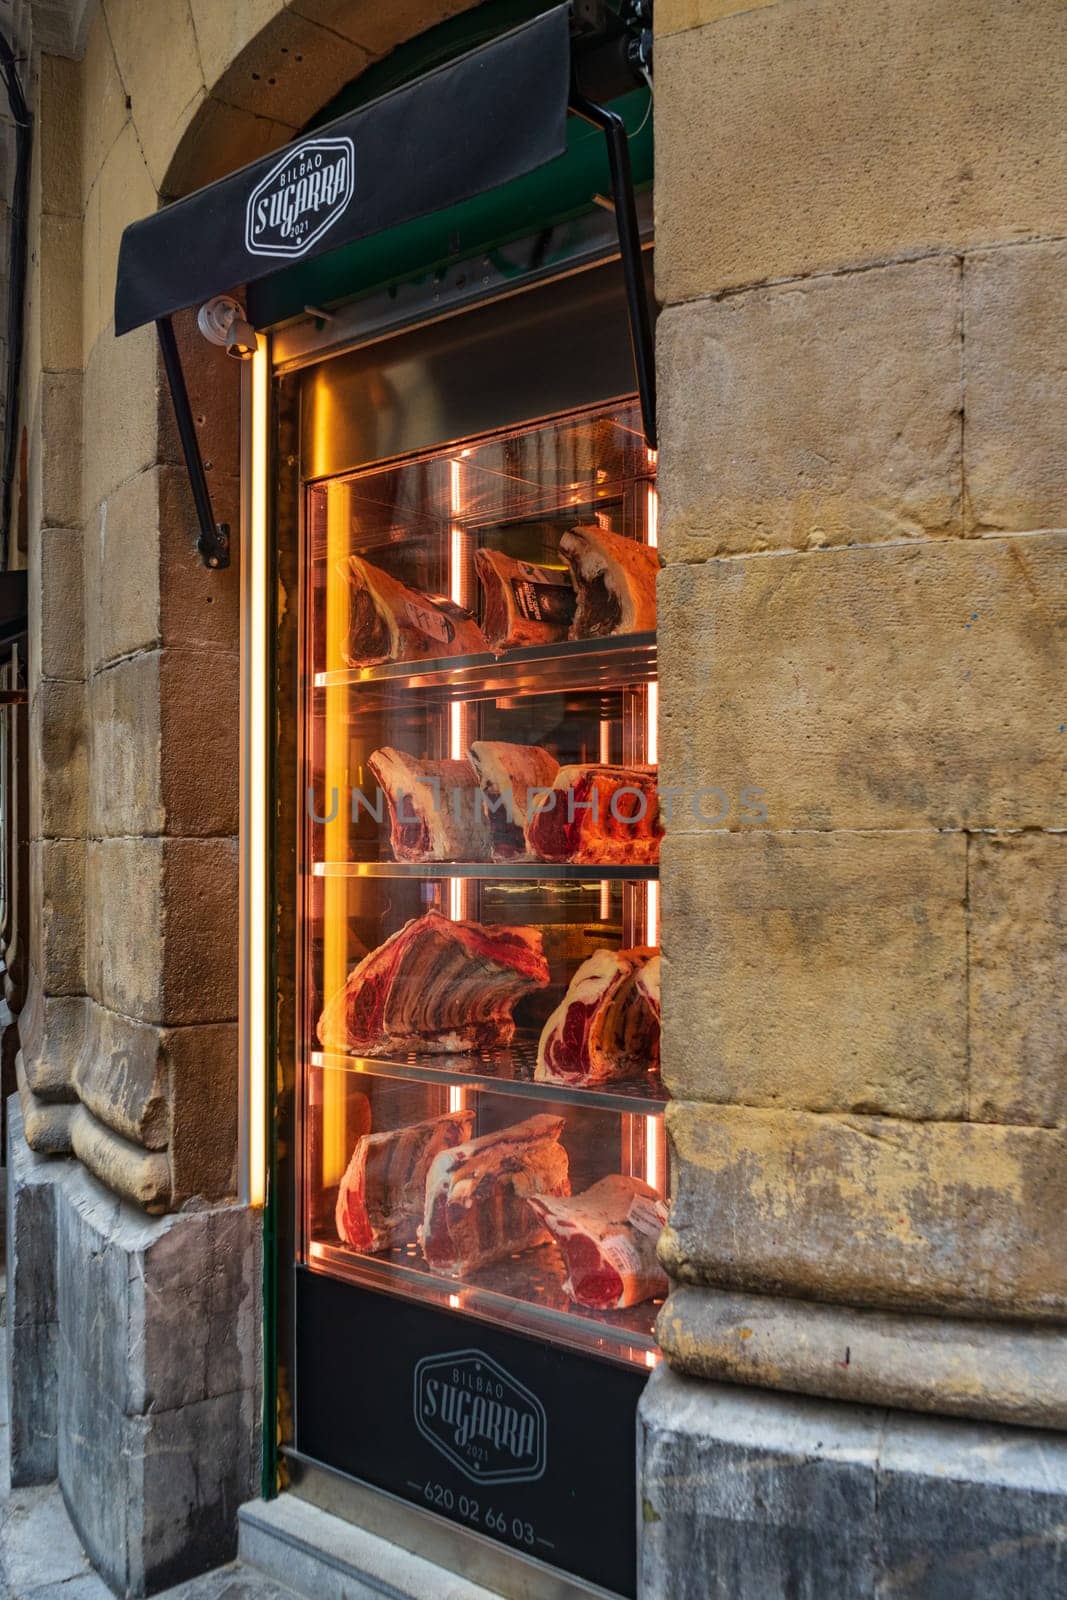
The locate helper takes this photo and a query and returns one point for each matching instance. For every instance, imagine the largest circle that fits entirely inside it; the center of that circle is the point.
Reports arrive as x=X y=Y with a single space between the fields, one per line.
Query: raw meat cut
x=608 y=1239
x=507 y=773
x=604 y=1029
x=435 y=986
x=524 y=604
x=390 y=622
x=599 y=815
x=435 y=808
x=476 y=1195
x=648 y=984
x=615 y=579
x=380 y=1201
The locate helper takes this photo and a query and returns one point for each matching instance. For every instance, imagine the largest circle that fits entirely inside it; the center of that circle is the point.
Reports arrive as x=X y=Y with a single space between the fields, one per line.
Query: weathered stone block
x=286 y=69
x=122 y=400
x=674 y=16
x=198 y=606
x=57 y=132
x=380 y=28
x=124 y=722
x=1002 y=1372
x=57 y=913
x=156 y=1454
x=126 y=1170
x=201 y=1064
x=818 y=971
x=738 y=1489
x=47 y=1122
x=103 y=105
x=763 y=1497
x=31 y=1318
x=163 y=86
x=125 y=925
x=51 y=1030
x=796 y=138
x=201 y=914
x=57 y=734
x=1015 y=368
x=56 y=602
x=127 y=193
x=1018 y=978
x=219 y=139
x=122 y=572
x=61 y=302
x=56 y=460
x=199 y=713
x=809 y=414
x=122 y=1077
x=906 y=686
x=958 y=1217
x=161 y=920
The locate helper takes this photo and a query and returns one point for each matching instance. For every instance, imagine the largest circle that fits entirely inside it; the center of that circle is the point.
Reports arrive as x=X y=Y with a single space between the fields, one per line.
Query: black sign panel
x=477 y=122
x=521 y=1440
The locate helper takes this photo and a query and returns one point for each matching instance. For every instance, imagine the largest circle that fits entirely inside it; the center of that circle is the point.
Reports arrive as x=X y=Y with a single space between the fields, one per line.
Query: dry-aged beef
x=380 y=1201
x=600 y=816
x=476 y=1195
x=390 y=622
x=604 y=1028
x=615 y=579
x=507 y=773
x=648 y=984
x=524 y=604
x=608 y=1239
x=435 y=986
x=435 y=808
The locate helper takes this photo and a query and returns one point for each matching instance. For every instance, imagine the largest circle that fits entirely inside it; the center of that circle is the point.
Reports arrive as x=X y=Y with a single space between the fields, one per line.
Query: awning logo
x=300 y=198
x=480 y=1418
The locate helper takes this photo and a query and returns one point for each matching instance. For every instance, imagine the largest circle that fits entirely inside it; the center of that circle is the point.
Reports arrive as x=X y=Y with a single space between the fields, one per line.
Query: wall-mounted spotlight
x=222 y=321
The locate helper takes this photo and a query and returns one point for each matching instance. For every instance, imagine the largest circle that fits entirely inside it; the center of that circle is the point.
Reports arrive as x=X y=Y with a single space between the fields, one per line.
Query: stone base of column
x=133 y=1367
x=761 y=1496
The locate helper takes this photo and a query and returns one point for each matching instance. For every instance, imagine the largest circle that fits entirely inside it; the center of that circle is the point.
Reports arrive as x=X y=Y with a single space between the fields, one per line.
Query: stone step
x=324 y=1558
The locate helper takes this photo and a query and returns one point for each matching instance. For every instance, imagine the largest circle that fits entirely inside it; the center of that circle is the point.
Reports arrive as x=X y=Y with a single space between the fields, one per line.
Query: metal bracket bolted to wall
x=639 y=312
x=213 y=541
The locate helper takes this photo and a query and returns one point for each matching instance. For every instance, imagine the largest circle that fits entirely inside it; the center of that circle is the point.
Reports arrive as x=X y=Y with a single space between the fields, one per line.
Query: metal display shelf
x=523 y=871
x=508 y=1072
x=577 y=665
x=524 y=1291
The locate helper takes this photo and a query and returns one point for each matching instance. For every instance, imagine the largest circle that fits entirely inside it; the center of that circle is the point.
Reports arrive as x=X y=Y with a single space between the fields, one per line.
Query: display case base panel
x=527 y=1443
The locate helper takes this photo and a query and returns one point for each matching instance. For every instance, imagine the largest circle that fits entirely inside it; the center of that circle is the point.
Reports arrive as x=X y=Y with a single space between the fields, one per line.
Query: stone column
x=863 y=399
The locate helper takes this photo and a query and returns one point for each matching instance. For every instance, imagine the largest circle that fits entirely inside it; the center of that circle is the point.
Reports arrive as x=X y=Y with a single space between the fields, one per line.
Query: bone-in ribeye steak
x=615 y=579
x=604 y=1028
x=476 y=1195
x=507 y=773
x=524 y=604
x=390 y=622
x=600 y=816
x=435 y=808
x=380 y=1201
x=435 y=986
x=608 y=1239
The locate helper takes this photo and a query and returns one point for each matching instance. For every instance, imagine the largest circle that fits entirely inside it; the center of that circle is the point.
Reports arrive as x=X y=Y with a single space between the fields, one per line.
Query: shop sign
x=300 y=198
x=484 y=1421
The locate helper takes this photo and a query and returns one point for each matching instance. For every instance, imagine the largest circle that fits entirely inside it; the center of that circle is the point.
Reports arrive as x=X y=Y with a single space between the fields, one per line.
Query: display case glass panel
x=478 y=867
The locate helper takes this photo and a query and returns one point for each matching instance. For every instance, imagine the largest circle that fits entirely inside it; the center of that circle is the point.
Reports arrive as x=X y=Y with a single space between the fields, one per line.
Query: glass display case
x=481 y=1120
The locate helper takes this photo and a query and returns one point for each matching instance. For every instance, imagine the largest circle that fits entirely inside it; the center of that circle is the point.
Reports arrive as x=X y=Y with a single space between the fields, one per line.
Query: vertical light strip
x=653 y=1125
x=255 y=781
x=456 y=719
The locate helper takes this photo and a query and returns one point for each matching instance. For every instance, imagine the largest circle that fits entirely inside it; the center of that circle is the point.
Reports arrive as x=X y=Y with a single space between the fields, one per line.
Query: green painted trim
x=551 y=196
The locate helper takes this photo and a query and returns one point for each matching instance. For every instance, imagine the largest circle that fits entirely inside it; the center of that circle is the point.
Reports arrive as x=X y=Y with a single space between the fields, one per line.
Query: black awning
x=477 y=122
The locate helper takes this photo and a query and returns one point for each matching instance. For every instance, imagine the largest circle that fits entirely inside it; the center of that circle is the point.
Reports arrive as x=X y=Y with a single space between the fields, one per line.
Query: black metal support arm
x=213 y=541
x=640 y=313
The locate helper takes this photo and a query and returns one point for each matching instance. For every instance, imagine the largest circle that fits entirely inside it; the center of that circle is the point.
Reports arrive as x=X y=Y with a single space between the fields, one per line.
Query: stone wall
x=863 y=418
